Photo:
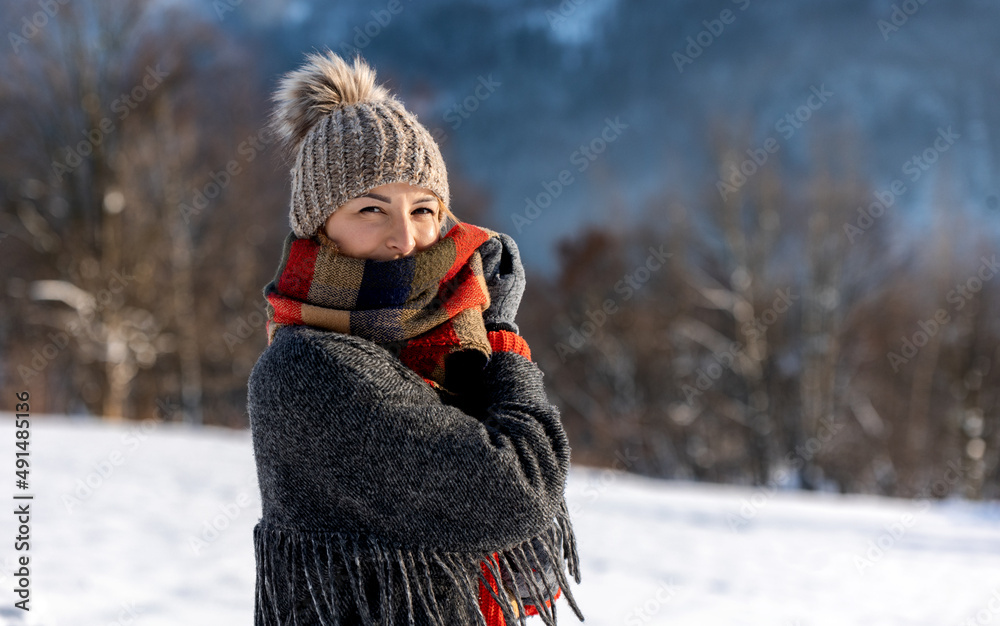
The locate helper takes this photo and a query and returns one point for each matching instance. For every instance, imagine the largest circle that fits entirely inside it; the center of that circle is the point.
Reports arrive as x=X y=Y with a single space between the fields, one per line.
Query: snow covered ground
x=138 y=545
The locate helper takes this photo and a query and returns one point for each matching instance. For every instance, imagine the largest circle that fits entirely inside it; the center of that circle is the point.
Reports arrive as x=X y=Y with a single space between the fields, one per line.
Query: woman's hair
x=445 y=211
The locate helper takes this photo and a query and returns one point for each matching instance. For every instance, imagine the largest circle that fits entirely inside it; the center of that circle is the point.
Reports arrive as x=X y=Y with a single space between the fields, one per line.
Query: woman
x=410 y=465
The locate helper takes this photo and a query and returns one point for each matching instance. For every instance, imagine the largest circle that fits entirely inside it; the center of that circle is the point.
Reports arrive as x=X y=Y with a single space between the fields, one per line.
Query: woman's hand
x=504 y=276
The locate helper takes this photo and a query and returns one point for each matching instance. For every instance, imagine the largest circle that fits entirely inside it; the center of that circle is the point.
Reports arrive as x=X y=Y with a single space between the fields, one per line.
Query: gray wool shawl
x=380 y=499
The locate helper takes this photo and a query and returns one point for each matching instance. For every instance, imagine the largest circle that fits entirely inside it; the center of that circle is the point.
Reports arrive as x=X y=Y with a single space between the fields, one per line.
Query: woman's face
x=389 y=222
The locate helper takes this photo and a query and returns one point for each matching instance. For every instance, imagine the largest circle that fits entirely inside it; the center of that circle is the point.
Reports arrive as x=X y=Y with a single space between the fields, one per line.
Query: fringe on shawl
x=290 y=561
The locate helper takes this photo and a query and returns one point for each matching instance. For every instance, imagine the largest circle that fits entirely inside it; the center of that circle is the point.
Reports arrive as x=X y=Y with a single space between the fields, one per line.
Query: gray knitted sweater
x=380 y=500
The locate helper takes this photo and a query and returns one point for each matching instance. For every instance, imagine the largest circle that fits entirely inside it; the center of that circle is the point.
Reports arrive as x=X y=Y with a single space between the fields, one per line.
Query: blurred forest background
x=760 y=240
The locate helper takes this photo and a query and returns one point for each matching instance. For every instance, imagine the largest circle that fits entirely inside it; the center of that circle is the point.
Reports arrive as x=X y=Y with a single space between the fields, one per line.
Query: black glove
x=504 y=276
x=464 y=381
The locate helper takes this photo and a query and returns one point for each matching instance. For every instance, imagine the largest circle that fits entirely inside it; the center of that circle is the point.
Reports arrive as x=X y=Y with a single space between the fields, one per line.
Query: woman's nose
x=402 y=239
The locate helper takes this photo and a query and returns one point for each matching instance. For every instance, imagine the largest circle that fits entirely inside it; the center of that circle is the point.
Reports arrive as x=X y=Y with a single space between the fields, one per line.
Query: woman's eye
x=427 y=210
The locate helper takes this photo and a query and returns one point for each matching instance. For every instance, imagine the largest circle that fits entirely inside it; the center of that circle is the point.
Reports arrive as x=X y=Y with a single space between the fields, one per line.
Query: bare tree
x=115 y=110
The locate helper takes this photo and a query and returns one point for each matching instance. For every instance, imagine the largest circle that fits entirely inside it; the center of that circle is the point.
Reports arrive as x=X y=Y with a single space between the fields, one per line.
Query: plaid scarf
x=424 y=307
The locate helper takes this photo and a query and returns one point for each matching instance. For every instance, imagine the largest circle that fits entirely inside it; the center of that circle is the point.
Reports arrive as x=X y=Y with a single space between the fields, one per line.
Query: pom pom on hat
x=325 y=82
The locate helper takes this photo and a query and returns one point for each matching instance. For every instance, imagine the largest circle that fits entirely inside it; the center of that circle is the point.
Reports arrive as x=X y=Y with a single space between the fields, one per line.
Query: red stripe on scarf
x=467 y=238
x=297 y=279
x=465 y=293
x=425 y=353
x=489 y=607
x=285 y=311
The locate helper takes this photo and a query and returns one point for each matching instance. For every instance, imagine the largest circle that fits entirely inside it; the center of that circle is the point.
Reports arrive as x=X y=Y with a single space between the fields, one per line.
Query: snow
x=652 y=551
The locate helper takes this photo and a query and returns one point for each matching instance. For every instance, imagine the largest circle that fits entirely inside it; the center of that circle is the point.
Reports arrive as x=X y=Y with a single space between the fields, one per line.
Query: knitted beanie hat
x=348 y=136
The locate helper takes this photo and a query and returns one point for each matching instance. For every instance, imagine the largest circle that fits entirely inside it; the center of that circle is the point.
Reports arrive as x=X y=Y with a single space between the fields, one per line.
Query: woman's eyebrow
x=387 y=201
